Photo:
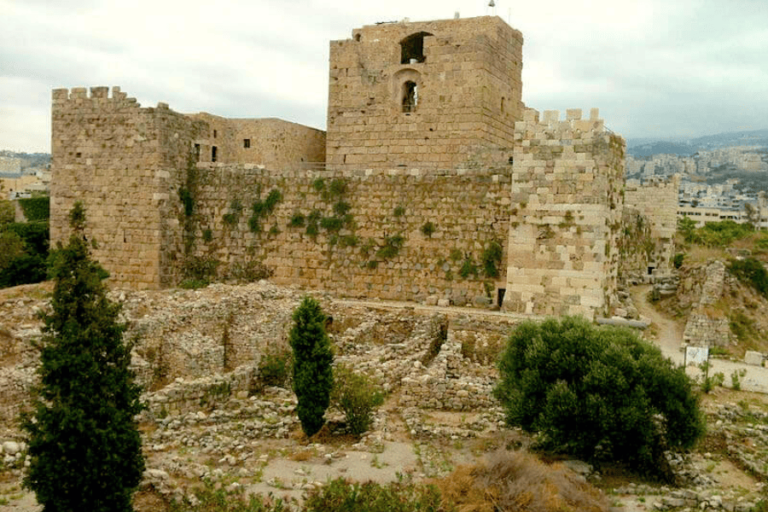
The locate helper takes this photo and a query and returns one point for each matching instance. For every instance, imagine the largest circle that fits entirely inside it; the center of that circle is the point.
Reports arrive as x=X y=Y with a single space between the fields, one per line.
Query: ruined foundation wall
x=657 y=201
x=469 y=94
x=566 y=215
x=376 y=248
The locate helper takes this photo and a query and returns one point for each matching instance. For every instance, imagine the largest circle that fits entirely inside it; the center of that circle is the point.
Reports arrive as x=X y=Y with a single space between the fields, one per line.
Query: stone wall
x=371 y=238
x=566 y=215
x=273 y=143
x=468 y=88
x=707 y=326
x=656 y=200
x=129 y=165
x=116 y=157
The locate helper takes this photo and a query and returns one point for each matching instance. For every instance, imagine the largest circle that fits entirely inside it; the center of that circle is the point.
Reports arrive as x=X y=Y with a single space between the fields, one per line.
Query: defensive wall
x=564 y=224
x=656 y=202
x=493 y=203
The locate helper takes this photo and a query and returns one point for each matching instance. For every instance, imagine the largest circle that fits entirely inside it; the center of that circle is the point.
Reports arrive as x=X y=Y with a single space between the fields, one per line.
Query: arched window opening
x=410 y=96
x=412 y=48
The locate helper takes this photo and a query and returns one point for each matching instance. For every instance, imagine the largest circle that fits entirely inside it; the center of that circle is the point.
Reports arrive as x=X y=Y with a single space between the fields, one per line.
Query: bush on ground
x=357 y=396
x=714 y=234
x=519 y=481
x=210 y=499
x=752 y=273
x=274 y=368
x=402 y=496
x=312 y=360
x=597 y=393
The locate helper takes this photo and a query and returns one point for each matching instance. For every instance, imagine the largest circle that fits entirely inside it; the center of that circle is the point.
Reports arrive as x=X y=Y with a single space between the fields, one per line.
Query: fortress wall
x=113 y=156
x=470 y=65
x=657 y=201
x=566 y=215
x=468 y=211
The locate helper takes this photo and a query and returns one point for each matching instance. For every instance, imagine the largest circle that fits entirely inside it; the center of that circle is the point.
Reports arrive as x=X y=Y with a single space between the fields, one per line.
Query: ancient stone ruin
x=433 y=179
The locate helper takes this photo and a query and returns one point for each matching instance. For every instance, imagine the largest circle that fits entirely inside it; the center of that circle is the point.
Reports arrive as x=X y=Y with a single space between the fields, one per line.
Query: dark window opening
x=214 y=155
x=650 y=270
x=511 y=160
x=412 y=48
x=214 y=133
x=502 y=105
x=358 y=37
x=500 y=296
x=410 y=96
x=78 y=155
x=246 y=143
x=197 y=152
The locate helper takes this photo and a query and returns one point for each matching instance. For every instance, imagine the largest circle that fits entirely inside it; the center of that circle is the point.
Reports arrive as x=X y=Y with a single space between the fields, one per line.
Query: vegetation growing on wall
x=491 y=258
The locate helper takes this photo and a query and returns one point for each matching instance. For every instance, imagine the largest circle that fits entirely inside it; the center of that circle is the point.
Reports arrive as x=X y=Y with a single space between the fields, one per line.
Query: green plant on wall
x=399 y=211
x=491 y=259
x=235 y=210
x=262 y=209
x=468 y=267
x=297 y=220
x=391 y=247
x=428 y=229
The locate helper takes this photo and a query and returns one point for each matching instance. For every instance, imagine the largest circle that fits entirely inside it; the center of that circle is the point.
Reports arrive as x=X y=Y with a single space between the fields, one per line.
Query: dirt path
x=670 y=338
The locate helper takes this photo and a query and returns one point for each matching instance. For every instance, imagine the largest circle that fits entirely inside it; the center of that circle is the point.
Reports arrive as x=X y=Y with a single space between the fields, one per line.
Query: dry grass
x=302 y=455
x=519 y=481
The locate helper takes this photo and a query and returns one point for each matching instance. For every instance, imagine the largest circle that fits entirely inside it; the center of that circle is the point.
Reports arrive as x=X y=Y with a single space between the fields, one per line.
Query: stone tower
x=430 y=94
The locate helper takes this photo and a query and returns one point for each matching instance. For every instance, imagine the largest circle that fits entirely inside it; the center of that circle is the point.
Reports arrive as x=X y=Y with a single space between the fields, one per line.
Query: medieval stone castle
x=433 y=179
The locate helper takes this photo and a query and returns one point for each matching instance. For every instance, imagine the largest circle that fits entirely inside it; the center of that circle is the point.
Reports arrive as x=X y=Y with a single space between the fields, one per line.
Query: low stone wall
x=704 y=331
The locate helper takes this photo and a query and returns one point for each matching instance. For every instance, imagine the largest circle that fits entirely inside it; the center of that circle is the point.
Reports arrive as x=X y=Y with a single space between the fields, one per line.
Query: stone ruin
x=433 y=179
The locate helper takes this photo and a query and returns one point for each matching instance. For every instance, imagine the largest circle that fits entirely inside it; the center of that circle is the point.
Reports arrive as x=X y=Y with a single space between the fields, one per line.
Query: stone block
x=753 y=358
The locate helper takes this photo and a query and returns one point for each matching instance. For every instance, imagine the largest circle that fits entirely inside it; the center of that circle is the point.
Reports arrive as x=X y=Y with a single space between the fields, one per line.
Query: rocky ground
x=208 y=419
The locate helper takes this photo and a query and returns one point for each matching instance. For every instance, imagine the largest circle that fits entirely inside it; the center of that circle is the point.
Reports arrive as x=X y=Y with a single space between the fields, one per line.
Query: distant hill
x=28 y=160
x=645 y=147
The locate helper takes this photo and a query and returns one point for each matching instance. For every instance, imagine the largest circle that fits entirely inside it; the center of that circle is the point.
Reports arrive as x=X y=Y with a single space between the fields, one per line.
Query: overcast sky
x=655 y=68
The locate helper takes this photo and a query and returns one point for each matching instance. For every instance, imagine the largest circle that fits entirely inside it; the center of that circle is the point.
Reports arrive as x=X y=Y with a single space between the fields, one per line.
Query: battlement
x=551 y=123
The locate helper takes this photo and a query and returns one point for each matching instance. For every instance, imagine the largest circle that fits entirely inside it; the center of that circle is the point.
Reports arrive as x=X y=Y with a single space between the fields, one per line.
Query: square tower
x=429 y=94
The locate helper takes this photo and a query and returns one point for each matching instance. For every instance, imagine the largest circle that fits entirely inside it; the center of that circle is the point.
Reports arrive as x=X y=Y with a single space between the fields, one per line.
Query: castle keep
x=432 y=181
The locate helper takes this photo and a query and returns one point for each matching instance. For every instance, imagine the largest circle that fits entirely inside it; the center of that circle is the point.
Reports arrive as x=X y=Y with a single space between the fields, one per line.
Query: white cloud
x=653 y=67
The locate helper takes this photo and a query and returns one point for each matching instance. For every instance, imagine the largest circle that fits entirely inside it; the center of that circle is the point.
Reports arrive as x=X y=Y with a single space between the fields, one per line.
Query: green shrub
x=491 y=259
x=331 y=223
x=7 y=212
x=318 y=184
x=752 y=273
x=428 y=229
x=24 y=269
x=211 y=499
x=207 y=235
x=714 y=234
x=274 y=368
x=250 y=271
x=391 y=247
x=11 y=247
x=36 y=236
x=677 y=261
x=338 y=187
x=312 y=359
x=297 y=220
x=468 y=267
x=736 y=377
x=356 y=396
x=710 y=382
x=36 y=208
x=341 y=208
x=455 y=255
x=399 y=211
x=340 y=495
x=597 y=393
x=200 y=268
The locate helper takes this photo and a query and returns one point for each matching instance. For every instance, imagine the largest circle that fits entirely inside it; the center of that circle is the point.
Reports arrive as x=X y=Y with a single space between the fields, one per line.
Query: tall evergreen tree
x=84 y=444
x=312 y=360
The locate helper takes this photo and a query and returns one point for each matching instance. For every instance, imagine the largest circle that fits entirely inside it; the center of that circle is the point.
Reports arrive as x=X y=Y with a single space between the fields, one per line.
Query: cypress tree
x=84 y=444
x=312 y=360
